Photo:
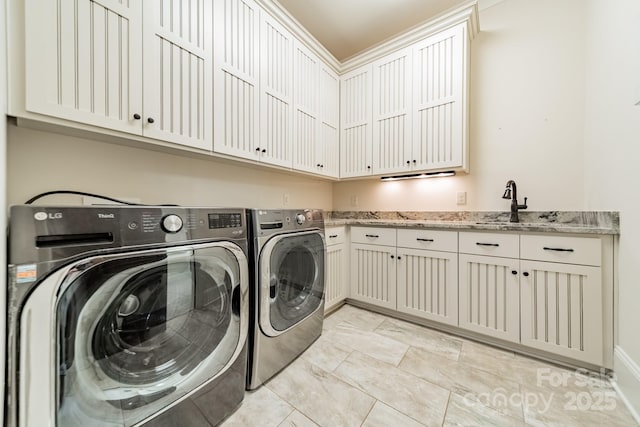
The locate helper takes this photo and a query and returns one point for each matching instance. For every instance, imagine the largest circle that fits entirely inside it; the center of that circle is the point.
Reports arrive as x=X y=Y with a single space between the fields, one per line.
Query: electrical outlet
x=354 y=201
x=462 y=197
x=285 y=199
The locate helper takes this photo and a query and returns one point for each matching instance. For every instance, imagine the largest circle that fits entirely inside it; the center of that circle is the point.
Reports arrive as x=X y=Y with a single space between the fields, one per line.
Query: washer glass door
x=136 y=332
x=294 y=266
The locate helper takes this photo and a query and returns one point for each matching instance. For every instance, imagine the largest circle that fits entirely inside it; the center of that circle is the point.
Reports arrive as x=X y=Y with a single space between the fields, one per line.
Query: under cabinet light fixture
x=418 y=175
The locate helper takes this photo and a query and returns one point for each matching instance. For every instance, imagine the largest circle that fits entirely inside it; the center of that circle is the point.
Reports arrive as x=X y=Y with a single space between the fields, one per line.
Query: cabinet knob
x=318 y=165
x=399 y=257
x=258 y=149
x=408 y=162
x=525 y=274
x=368 y=167
x=392 y=257
x=414 y=162
x=264 y=150
x=514 y=272
x=150 y=120
x=321 y=166
x=136 y=116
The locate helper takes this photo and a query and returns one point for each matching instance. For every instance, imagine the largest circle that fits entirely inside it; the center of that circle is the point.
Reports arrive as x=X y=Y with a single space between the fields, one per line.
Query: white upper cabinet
x=230 y=77
x=328 y=147
x=83 y=62
x=236 y=95
x=178 y=61
x=137 y=67
x=276 y=93
x=356 y=123
x=439 y=100
x=419 y=118
x=392 y=109
x=306 y=71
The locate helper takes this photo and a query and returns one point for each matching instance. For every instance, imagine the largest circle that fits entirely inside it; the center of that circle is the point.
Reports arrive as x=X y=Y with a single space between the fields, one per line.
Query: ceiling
x=346 y=27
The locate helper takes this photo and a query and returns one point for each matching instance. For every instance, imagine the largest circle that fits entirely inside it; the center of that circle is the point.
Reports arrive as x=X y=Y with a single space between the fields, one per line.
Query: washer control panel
x=171 y=223
x=224 y=220
x=59 y=232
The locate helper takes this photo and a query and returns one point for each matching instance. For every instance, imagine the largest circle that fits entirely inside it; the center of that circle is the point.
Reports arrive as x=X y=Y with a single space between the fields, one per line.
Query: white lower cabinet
x=562 y=309
x=337 y=274
x=489 y=296
x=373 y=274
x=553 y=301
x=548 y=292
x=428 y=284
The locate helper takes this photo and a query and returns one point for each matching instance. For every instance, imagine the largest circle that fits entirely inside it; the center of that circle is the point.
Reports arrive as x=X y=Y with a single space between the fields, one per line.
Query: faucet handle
x=525 y=204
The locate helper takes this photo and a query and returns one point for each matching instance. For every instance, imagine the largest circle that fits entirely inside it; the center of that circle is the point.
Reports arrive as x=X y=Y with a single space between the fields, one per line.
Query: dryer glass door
x=295 y=278
x=137 y=332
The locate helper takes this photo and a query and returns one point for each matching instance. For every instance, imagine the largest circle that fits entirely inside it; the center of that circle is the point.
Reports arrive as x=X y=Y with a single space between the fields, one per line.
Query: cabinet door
x=489 y=296
x=178 y=72
x=392 y=111
x=439 y=99
x=373 y=274
x=355 y=124
x=84 y=61
x=306 y=76
x=428 y=284
x=235 y=78
x=328 y=143
x=337 y=276
x=276 y=93
x=562 y=309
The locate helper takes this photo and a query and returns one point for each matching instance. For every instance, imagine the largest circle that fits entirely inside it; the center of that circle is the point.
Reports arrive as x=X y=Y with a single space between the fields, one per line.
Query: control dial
x=300 y=219
x=171 y=223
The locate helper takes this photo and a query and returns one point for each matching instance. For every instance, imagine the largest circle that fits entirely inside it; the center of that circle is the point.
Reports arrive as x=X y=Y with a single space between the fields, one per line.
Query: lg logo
x=41 y=216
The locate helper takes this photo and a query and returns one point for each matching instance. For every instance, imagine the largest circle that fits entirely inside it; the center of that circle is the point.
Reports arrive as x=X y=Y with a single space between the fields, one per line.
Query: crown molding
x=279 y=13
x=467 y=12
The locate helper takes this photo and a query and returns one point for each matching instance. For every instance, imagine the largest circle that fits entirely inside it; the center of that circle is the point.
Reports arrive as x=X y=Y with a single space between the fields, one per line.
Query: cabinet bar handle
x=419 y=239
x=487 y=244
x=557 y=249
x=375 y=236
x=333 y=236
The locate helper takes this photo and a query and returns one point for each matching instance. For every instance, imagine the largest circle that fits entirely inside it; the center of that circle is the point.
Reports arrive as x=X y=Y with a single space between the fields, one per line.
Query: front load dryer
x=287 y=293
x=123 y=316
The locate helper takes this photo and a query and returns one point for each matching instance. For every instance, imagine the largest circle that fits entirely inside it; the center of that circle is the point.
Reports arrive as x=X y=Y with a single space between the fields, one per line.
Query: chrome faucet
x=511 y=192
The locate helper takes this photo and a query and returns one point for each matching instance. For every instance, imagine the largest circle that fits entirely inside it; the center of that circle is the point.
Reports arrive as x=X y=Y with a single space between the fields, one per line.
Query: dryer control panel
x=272 y=221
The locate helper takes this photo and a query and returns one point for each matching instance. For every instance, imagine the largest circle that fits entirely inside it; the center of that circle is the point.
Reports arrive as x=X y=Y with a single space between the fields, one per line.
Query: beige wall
x=527 y=110
x=612 y=152
x=41 y=161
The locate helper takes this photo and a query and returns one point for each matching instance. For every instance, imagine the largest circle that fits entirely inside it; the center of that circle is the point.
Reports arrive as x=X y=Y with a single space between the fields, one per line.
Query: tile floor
x=372 y=370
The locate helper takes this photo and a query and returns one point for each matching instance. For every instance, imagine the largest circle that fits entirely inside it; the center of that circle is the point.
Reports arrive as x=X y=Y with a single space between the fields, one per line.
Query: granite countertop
x=549 y=221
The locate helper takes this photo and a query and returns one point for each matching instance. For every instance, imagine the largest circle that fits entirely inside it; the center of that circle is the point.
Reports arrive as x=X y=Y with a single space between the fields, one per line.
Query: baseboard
x=626 y=381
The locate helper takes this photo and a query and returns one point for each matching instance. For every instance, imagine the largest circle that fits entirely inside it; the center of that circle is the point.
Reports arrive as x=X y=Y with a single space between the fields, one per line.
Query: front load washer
x=122 y=316
x=287 y=293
